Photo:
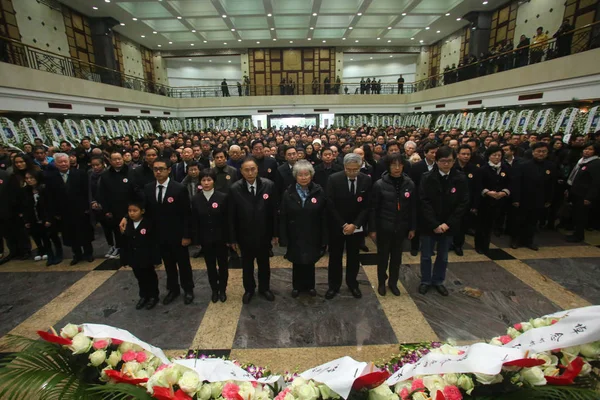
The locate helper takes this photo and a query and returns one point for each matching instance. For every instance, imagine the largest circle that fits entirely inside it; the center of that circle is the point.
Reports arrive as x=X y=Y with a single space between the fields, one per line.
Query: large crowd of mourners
x=239 y=193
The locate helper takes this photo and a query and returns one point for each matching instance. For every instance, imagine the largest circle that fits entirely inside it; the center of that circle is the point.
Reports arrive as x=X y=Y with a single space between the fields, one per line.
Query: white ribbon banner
x=479 y=358
x=574 y=327
x=219 y=370
x=339 y=375
x=105 y=331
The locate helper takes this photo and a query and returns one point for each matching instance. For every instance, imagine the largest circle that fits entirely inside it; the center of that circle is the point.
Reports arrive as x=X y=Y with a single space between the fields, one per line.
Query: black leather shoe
x=215 y=296
x=459 y=251
x=479 y=251
x=356 y=293
x=74 y=261
x=26 y=256
x=395 y=291
x=6 y=259
x=295 y=293
x=441 y=290
x=141 y=303
x=414 y=252
x=312 y=292
x=573 y=239
x=533 y=247
x=268 y=295
x=188 y=297
x=381 y=290
x=364 y=248
x=89 y=258
x=223 y=297
x=423 y=288
x=271 y=253
x=50 y=262
x=514 y=244
x=330 y=294
x=152 y=302
x=247 y=297
x=170 y=297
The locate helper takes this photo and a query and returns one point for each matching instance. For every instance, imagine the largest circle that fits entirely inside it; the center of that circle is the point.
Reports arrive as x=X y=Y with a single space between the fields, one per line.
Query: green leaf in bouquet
x=118 y=391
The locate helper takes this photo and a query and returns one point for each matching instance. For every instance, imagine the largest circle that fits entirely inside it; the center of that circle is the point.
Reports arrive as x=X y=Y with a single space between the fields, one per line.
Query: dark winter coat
x=209 y=217
x=392 y=210
x=140 y=245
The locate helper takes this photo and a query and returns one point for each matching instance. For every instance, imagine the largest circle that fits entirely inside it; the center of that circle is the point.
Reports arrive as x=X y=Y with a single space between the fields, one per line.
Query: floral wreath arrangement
x=553 y=357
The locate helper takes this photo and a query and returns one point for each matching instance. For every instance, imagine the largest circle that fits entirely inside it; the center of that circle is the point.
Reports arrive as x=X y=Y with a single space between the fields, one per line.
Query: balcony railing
x=578 y=40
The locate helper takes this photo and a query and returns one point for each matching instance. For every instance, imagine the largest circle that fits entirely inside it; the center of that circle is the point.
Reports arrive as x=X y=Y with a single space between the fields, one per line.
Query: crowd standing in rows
x=239 y=193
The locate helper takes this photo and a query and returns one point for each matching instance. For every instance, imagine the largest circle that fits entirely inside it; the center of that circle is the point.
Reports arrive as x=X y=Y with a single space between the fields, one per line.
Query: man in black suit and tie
x=267 y=166
x=284 y=172
x=348 y=199
x=168 y=206
x=327 y=168
x=180 y=169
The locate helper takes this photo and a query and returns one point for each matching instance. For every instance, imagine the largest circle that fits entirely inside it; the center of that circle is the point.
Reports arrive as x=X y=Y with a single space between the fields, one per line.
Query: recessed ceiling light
x=391 y=56
x=291 y=41
x=178 y=17
x=404 y=14
x=257 y=42
x=447 y=41
x=309 y=38
x=135 y=19
x=352 y=59
x=274 y=39
x=427 y=28
x=269 y=15
x=420 y=41
x=232 y=29
x=209 y=60
x=225 y=43
x=311 y=28
x=224 y=16
x=272 y=29
x=229 y=61
x=154 y=32
x=314 y=14
x=95 y=8
x=437 y=31
x=473 y=28
x=189 y=59
x=412 y=38
x=485 y=2
x=389 y=40
x=350 y=27
x=359 y=14
x=389 y=27
x=122 y=24
x=107 y=1
x=191 y=44
x=193 y=31
x=378 y=38
x=458 y=19
x=370 y=58
x=343 y=38
x=324 y=41
x=205 y=41
x=170 y=42
x=356 y=41
x=447 y=14
x=239 y=40
x=143 y=36
x=160 y=45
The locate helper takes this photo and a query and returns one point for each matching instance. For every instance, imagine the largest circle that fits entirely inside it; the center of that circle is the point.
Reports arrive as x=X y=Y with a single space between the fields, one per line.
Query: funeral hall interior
x=223 y=73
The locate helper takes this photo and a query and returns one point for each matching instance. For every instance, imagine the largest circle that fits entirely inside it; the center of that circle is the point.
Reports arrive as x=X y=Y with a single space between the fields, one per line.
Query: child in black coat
x=140 y=252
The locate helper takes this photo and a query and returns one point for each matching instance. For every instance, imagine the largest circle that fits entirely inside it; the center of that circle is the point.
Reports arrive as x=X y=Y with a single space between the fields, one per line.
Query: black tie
x=160 y=194
x=352 y=189
x=252 y=191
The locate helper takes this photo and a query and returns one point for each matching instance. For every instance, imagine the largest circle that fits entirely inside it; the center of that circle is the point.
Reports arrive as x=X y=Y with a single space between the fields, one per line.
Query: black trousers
x=336 y=252
x=147 y=281
x=106 y=227
x=176 y=259
x=17 y=240
x=486 y=219
x=217 y=253
x=415 y=243
x=261 y=255
x=525 y=224
x=303 y=276
x=87 y=248
x=468 y=222
x=581 y=213
x=44 y=237
x=389 y=252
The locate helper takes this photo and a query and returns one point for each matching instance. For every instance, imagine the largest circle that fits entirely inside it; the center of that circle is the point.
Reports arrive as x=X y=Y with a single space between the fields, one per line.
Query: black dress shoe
x=141 y=303
x=356 y=293
x=152 y=302
x=312 y=292
x=295 y=293
x=75 y=261
x=364 y=248
x=50 y=261
x=247 y=297
x=573 y=239
x=89 y=258
x=223 y=297
x=479 y=251
x=271 y=253
x=514 y=244
x=6 y=259
x=533 y=247
x=26 y=256
x=394 y=289
x=330 y=294
x=423 y=288
x=441 y=290
x=215 y=296
x=268 y=295
x=188 y=297
x=414 y=252
x=170 y=297
x=459 y=251
x=381 y=290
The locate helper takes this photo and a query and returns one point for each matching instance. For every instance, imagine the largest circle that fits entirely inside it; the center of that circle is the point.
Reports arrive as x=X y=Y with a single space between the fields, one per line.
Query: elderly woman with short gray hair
x=303 y=227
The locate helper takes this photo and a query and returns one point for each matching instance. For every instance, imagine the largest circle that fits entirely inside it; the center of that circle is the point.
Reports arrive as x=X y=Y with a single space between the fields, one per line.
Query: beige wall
x=132 y=58
x=450 y=50
x=537 y=13
x=422 y=64
x=160 y=69
x=41 y=26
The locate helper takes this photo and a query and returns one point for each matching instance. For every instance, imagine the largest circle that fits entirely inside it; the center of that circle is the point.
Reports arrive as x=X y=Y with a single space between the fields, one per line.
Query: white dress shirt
x=429 y=166
x=165 y=184
x=208 y=193
x=252 y=186
x=137 y=223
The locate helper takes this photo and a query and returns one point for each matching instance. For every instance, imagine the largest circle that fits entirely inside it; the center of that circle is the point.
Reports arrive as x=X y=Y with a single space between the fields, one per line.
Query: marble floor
x=487 y=293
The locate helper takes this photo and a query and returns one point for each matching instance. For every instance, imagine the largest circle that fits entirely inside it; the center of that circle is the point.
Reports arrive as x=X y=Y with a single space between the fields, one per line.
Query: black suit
x=210 y=231
x=469 y=219
x=179 y=171
x=140 y=251
x=416 y=173
x=346 y=208
x=322 y=173
x=267 y=168
x=284 y=177
x=490 y=209
x=115 y=191
x=172 y=221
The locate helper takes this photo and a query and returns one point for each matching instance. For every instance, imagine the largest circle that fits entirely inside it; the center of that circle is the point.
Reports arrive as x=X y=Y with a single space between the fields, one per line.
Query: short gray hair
x=410 y=143
x=303 y=165
x=352 y=158
x=59 y=155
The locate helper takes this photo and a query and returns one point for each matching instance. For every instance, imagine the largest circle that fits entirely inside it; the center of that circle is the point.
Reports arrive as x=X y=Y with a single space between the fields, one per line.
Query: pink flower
x=231 y=391
x=553 y=321
x=505 y=339
x=140 y=356
x=161 y=367
x=100 y=344
x=282 y=394
x=417 y=384
x=128 y=356
x=116 y=342
x=405 y=394
x=452 y=393
x=518 y=326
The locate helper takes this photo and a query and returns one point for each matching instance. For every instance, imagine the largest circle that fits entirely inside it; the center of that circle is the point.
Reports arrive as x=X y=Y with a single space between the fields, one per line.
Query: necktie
x=352 y=188
x=252 y=191
x=65 y=177
x=160 y=194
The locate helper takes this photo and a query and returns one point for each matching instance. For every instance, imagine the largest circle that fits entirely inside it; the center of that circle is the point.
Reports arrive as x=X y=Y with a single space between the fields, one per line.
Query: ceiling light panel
x=417 y=21
x=334 y=21
x=193 y=7
x=329 y=33
x=145 y=9
x=336 y=7
x=291 y=7
x=208 y=23
x=364 y=33
x=375 y=21
x=180 y=36
x=243 y=7
x=388 y=6
x=292 y=22
x=434 y=6
x=255 y=35
x=291 y=33
x=219 y=35
x=165 y=25
x=401 y=33
x=240 y=23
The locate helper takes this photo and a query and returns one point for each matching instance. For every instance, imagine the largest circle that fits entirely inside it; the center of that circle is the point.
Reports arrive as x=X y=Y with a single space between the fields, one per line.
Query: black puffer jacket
x=393 y=210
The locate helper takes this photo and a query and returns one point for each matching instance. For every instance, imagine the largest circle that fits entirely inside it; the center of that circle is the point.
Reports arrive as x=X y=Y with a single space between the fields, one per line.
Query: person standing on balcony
x=225 y=88
x=326 y=85
x=522 y=53
x=239 y=86
x=401 y=84
x=539 y=46
x=368 y=86
x=282 y=87
x=315 y=86
x=362 y=85
x=564 y=38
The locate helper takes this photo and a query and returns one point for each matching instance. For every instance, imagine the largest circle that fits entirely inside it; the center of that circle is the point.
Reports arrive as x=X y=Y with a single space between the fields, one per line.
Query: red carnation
x=370 y=381
x=48 y=337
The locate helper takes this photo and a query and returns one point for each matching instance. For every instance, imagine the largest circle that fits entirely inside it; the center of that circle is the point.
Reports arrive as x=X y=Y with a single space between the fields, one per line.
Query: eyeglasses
x=159 y=169
x=446 y=161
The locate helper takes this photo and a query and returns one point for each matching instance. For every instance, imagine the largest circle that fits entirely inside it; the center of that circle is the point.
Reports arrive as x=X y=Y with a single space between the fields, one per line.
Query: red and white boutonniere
x=170 y=199
x=407 y=195
x=215 y=205
x=265 y=196
x=359 y=199
x=453 y=190
x=313 y=200
x=143 y=231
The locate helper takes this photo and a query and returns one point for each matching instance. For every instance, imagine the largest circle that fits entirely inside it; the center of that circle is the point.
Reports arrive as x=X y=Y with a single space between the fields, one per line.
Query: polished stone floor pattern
x=487 y=293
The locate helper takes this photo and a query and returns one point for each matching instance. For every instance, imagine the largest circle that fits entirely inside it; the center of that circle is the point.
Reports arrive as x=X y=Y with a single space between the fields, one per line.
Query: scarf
x=495 y=167
x=302 y=193
x=582 y=161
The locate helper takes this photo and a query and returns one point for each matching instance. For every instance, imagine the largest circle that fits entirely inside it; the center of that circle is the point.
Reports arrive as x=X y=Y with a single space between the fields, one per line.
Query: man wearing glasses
x=444 y=195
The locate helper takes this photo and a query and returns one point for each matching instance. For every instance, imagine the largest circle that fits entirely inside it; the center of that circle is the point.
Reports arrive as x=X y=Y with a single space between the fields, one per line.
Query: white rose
x=548 y=360
x=69 y=331
x=157 y=379
x=327 y=393
x=401 y=385
x=103 y=376
x=247 y=391
x=551 y=371
x=172 y=375
x=131 y=368
x=446 y=349
x=433 y=383
x=189 y=382
x=263 y=395
x=526 y=326
x=466 y=383
x=451 y=379
x=298 y=382
x=420 y=395
x=97 y=357
x=216 y=389
x=307 y=392
x=204 y=392
x=539 y=322
x=81 y=344
x=486 y=379
x=125 y=347
x=586 y=369
x=513 y=333
x=496 y=342
x=590 y=350
x=382 y=392
x=533 y=376
x=114 y=358
x=142 y=374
